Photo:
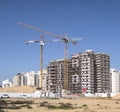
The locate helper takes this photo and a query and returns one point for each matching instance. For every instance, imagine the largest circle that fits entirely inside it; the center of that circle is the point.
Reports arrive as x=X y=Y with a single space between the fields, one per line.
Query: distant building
x=88 y=72
x=44 y=79
x=6 y=83
x=18 y=80
x=115 y=79
x=29 y=79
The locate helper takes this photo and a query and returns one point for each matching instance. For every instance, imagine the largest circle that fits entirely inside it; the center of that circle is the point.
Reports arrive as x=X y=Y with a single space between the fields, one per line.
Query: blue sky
x=96 y=20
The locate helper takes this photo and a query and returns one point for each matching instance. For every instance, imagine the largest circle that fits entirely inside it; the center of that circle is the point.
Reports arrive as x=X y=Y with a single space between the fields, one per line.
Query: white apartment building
x=44 y=79
x=17 y=79
x=115 y=79
x=29 y=79
x=6 y=83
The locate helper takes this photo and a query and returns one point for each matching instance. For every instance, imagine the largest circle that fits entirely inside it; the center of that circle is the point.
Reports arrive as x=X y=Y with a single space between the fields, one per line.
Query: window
x=75 y=81
x=75 y=77
x=84 y=56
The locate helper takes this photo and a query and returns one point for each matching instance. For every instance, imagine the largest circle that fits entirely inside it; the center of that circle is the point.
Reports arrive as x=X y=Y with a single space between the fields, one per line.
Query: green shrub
x=84 y=106
x=2 y=110
x=3 y=102
x=60 y=106
x=51 y=106
x=21 y=102
x=65 y=106
x=43 y=104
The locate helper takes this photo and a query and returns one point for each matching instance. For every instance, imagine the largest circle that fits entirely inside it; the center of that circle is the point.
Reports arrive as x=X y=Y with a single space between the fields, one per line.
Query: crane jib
x=63 y=38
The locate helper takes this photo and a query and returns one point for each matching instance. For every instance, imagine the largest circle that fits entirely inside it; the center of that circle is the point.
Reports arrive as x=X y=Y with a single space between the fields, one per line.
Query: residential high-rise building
x=55 y=76
x=74 y=78
x=102 y=73
x=88 y=72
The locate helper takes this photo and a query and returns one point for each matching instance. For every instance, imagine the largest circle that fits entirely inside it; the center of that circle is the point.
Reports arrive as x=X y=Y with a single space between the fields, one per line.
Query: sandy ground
x=80 y=105
x=22 y=89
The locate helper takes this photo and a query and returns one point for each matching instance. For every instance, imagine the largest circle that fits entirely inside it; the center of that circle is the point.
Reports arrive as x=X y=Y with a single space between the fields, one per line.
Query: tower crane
x=42 y=43
x=65 y=40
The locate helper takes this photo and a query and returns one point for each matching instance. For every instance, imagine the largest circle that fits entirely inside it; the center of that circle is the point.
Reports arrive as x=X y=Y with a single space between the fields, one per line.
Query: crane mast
x=41 y=59
x=41 y=64
x=42 y=43
x=65 y=66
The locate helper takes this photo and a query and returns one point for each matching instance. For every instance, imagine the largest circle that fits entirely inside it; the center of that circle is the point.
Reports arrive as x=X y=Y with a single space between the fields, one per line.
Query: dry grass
x=62 y=105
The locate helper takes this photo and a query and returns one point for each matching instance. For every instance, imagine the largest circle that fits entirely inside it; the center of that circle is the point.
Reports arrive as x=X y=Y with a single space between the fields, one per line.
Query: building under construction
x=88 y=72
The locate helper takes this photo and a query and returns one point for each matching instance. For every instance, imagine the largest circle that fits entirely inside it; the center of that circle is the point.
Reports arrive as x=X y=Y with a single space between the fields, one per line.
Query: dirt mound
x=23 y=89
x=116 y=96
